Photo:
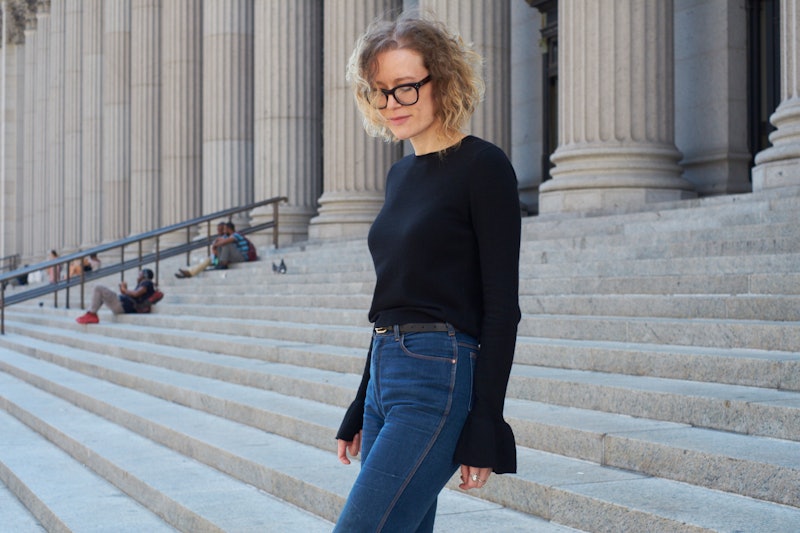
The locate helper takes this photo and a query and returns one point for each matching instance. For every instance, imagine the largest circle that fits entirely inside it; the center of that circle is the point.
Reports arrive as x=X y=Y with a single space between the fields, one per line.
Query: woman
x=446 y=251
x=54 y=272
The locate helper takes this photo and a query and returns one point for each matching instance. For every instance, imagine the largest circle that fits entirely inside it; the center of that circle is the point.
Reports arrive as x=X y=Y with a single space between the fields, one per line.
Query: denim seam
x=442 y=421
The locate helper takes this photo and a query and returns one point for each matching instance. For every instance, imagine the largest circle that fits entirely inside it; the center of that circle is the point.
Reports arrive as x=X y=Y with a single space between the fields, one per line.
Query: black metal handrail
x=9 y=262
x=140 y=259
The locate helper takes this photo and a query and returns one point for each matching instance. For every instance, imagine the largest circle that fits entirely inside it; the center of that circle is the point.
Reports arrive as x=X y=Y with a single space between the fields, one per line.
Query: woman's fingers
x=353 y=447
x=473 y=477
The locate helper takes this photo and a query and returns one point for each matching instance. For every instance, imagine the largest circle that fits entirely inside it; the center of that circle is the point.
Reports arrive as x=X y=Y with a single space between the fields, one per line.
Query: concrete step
x=707 y=333
x=595 y=498
x=115 y=403
x=153 y=473
x=777 y=308
x=734 y=408
x=709 y=212
x=261 y=460
x=62 y=493
x=16 y=517
x=534 y=268
x=747 y=367
x=219 y=385
x=675 y=284
x=351 y=308
x=701 y=332
x=781 y=224
x=762 y=468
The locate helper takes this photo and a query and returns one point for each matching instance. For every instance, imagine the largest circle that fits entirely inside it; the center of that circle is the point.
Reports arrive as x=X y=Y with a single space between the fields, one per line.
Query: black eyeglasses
x=405 y=94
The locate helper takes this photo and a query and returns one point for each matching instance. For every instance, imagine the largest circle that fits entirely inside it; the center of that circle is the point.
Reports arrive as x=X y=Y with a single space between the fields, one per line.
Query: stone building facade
x=121 y=116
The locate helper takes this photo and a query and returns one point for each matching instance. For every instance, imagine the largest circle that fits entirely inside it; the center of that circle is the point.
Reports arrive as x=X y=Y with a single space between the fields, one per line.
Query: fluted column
x=55 y=129
x=487 y=26
x=145 y=115
x=227 y=104
x=28 y=126
x=41 y=213
x=92 y=124
x=116 y=118
x=355 y=165
x=288 y=111
x=10 y=179
x=616 y=107
x=182 y=78
x=779 y=165
x=72 y=122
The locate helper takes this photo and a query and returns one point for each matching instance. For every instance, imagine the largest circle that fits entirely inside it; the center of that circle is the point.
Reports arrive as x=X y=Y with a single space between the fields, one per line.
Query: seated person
x=91 y=263
x=75 y=268
x=229 y=247
x=232 y=249
x=195 y=270
x=125 y=302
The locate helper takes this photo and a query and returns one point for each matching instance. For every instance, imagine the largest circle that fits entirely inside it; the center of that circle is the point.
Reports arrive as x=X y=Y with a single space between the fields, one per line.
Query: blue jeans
x=418 y=397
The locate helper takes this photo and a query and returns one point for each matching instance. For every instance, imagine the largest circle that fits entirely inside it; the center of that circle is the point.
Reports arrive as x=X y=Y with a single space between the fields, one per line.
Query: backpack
x=252 y=253
x=149 y=302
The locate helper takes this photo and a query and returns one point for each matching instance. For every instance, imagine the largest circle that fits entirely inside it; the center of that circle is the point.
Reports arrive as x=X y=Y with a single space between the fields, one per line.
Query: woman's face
x=418 y=122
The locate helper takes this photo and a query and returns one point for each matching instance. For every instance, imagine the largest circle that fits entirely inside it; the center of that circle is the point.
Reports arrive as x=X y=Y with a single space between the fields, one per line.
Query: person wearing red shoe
x=125 y=302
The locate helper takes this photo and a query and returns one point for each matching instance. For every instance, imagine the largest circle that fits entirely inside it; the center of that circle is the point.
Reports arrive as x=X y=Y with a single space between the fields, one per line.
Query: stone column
x=615 y=111
x=145 y=115
x=55 y=130
x=779 y=165
x=181 y=116
x=73 y=60
x=41 y=87
x=527 y=102
x=711 y=114
x=116 y=119
x=227 y=104
x=10 y=179
x=355 y=165
x=92 y=229
x=288 y=111
x=29 y=121
x=487 y=27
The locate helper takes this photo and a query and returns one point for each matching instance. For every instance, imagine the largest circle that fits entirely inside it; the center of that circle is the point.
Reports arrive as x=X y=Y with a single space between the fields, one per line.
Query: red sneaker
x=88 y=318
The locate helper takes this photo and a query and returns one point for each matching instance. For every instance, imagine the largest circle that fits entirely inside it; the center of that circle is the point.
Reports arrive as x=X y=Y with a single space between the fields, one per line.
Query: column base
x=776 y=174
x=607 y=178
x=779 y=165
x=617 y=199
x=293 y=224
x=345 y=215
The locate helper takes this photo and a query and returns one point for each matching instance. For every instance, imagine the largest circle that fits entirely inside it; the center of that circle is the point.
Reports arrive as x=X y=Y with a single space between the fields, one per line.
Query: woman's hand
x=473 y=477
x=353 y=447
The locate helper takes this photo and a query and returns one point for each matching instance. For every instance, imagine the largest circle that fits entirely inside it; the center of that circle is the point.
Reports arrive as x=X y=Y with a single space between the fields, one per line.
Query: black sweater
x=446 y=249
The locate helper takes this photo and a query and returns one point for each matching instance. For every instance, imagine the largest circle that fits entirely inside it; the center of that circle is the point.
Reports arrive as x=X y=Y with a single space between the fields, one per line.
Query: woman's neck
x=436 y=143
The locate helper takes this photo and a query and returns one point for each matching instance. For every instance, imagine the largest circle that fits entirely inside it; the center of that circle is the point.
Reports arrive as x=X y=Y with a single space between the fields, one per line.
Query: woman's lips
x=397 y=121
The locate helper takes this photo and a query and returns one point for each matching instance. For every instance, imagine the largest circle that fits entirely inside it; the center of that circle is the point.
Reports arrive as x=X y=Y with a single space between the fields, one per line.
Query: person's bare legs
x=195 y=270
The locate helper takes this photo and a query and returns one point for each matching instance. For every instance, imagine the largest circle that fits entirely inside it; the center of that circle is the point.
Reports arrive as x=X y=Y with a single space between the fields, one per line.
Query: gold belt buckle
x=381 y=331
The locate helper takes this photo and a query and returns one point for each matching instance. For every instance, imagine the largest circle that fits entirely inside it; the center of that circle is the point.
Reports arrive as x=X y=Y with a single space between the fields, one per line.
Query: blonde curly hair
x=455 y=69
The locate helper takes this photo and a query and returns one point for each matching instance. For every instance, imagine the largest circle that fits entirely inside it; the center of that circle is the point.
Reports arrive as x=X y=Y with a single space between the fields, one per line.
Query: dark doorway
x=763 y=71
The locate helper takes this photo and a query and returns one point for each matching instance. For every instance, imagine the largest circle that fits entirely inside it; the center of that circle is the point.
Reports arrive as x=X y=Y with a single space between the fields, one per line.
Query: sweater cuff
x=353 y=421
x=487 y=442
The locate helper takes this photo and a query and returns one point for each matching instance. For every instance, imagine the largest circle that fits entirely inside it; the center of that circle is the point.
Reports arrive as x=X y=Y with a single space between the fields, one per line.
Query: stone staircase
x=656 y=387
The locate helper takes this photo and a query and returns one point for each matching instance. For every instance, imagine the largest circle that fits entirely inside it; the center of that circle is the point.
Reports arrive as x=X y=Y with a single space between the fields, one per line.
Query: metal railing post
x=275 y=226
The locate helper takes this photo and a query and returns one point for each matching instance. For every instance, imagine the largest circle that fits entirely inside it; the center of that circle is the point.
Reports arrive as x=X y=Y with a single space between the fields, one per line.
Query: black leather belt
x=425 y=327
